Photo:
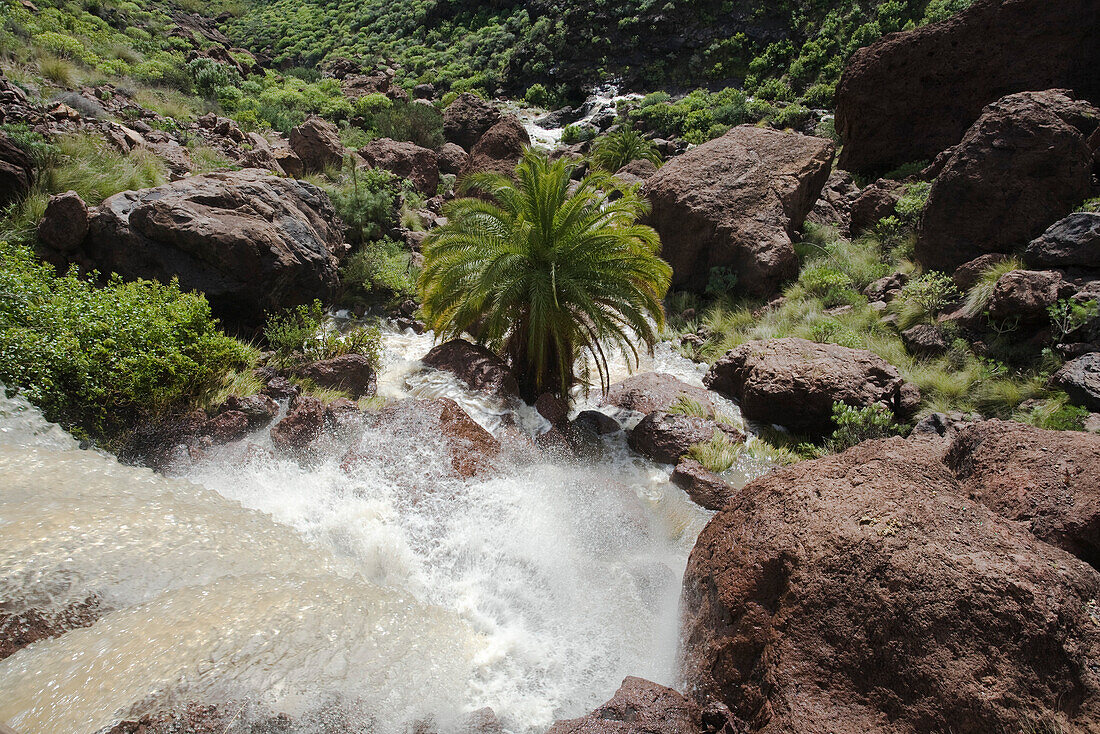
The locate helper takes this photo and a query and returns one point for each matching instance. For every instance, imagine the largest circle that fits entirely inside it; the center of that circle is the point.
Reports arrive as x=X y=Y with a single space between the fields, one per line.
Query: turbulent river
x=396 y=592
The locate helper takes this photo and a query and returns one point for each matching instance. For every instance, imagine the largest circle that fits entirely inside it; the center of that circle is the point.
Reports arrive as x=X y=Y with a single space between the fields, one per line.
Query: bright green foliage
x=924 y=298
x=977 y=298
x=1068 y=314
x=97 y=359
x=690 y=407
x=856 y=425
x=615 y=150
x=911 y=204
x=546 y=275
x=378 y=274
x=831 y=285
x=716 y=455
x=573 y=134
x=299 y=335
x=366 y=200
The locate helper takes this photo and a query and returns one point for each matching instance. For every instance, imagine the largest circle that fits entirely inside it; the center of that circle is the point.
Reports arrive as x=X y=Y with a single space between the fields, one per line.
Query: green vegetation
x=716 y=455
x=856 y=425
x=616 y=149
x=300 y=335
x=546 y=274
x=378 y=274
x=98 y=359
x=924 y=298
x=689 y=407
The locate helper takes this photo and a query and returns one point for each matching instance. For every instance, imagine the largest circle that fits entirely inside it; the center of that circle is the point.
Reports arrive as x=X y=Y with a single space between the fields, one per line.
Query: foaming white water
x=392 y=584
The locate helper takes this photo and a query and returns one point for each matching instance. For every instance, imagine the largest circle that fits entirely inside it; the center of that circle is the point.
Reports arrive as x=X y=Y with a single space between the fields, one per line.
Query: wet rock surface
x=652 y=391
x=638 y=707
x=665 y=437
x=476 y=366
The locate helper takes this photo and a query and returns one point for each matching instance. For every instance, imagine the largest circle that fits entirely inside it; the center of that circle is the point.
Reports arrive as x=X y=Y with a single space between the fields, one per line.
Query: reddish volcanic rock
x=864 y=592
x=652 y=391
x=638 y=707
x=302 y=425
x=476 y=366
x=665 y=437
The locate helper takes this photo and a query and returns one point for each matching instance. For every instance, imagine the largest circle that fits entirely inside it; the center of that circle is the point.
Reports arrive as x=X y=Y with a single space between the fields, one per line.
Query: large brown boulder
x=794 y=382
x=442 y=423
x=706 y=489
x=64 y=224
x=407 y=160
x=864 y=592
x=1048 y=480
x=16 y=171
x=1080 y=378
x=735 y=202
x=476 y=366
x=638 y=707
x=452 y=159
x=317 y=143
x=250 y=241
x=911 y=95
x=499 y=149
x=652 y=391
x=303 y=424
x=666 y=437
x=468 y=118
x=1025 y=296
x=351 y=373
x=1025 y=164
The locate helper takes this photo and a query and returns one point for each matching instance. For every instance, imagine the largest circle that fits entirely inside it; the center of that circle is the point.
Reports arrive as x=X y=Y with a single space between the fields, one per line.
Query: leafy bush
x=911 y=204
x=97 y=359
x=366 y=201
x=573 y=134
x=832 y=286
x=1069 y=314
x=856 y=425
x=412 y=122
x=299 y=335
x=720 y=281
x=377 y=274
x=537 y=96
x=923 y=299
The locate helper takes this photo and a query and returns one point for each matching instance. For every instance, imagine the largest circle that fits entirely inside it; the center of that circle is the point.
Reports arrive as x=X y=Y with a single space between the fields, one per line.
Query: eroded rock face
x=1073 y=242
x=16 y=171
x=1025 y=295
x=705 y=488
x=468 y=118
x=1048 y=480
x=652 y=391
x=317 y=143
x=476 y=366
x=864 y=592
x=794 y=382
x=351 y=373
x=1080 y=378
x=638 y=707
x=499 y=149
x=666 y=437
x=911 y=95
x=1023 y=165
x=250 y=241
x=452 y=159
x=735 y=202
x=873 y=203
x=407 y=160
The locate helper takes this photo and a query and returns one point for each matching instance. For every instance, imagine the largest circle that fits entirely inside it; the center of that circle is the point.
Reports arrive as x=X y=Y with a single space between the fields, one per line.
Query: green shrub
x=299 y=335
x=856 y=425
x=721 y=281
x=1055 y=414
x=923 y=299
x=1069 y=314
x=378 y=274
x=911 y=204
x=573 y=134
x=211 y=76
x=537 y=96
x=832 y=286
x=412 y=122
x=366 y=201
x=96 y=360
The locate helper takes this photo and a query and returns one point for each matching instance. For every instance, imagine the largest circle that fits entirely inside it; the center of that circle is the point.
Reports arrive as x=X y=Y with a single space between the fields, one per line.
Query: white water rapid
x=401 y=593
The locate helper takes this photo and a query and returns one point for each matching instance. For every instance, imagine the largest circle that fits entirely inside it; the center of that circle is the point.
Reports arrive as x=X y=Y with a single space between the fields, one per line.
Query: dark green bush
x=379 y=274
x=366 y=200
x=856 y=425
x=96 y=360
x=413 y=122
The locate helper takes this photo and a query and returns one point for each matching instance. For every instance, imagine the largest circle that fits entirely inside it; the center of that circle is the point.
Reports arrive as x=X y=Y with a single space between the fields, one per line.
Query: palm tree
x=615 y=150
x=545 y=275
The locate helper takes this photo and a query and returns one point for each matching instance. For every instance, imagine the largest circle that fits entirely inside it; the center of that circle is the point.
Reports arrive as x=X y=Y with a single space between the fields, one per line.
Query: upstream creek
x=396 y=591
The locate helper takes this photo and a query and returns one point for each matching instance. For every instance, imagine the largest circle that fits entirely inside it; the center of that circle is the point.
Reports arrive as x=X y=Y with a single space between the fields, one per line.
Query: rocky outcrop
x=665 y=437
x=303 y=424
x=1025 y=296
x=638 y=707
x=969 y=273
x=64 y=224
x=1080 y=378
x=476 y=366
x=833 y=208
x=1047 y=480
x=16 y=171
x=1071 y=243
x=250 y=241
x=407 y=160
x=706 y=489
x=350 y=373
x=794 y=382
x=1023 y=165
x=640 y=169
x=865 y=592
x=499 y=149
x=652 y=391
x=874 y=203
x=468 y=118
x=925 y=340
x=911 y=95
x=452 y=159
x=317 y=143
x=735 y=202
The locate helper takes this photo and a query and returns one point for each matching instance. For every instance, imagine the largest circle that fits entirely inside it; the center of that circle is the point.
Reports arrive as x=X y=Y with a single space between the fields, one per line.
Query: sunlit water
x=394 y=586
